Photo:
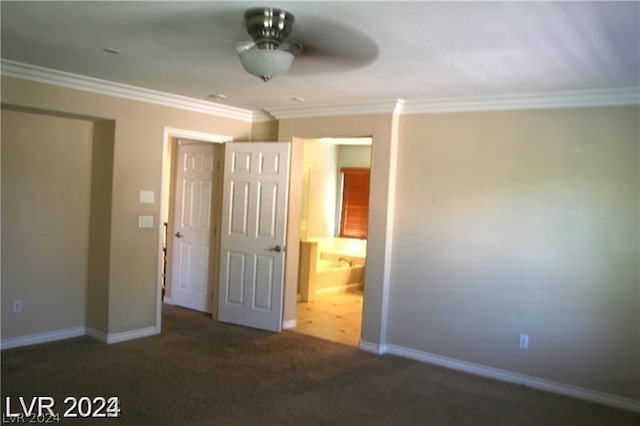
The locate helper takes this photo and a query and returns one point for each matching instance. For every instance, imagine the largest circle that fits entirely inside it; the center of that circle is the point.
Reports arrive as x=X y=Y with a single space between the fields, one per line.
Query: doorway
x=332 y=261
x=189 y=209
x=234 y=269
x=191 y=224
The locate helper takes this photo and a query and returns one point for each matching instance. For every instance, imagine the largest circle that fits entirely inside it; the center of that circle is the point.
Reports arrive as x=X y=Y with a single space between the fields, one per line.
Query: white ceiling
x=387 y=50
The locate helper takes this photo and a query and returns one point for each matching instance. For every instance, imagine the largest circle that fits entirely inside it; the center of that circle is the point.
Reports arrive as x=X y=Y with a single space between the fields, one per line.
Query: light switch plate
x=147 y=197
x=145 y=221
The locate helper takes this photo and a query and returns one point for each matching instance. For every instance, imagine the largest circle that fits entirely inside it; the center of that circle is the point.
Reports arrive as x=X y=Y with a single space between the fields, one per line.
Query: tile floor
x=336 y=317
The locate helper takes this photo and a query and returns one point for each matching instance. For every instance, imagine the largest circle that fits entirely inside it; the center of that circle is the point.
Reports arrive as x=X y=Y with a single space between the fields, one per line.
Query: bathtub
x=334 y=276
x=326 y=267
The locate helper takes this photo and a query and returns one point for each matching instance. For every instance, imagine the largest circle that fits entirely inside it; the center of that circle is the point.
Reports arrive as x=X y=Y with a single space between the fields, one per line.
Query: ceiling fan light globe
x=266 y=63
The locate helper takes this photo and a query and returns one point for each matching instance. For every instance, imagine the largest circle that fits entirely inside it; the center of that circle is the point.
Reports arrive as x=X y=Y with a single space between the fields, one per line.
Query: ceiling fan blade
x=330 y=46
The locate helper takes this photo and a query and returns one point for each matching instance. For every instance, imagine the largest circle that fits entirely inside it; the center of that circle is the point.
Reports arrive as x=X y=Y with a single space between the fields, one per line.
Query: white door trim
x=168 y=134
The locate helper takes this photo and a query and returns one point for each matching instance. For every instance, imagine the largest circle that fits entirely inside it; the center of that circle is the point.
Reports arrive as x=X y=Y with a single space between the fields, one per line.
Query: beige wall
x=137 y=165
x=264 y=131
x=503 y=223
x=521 y=222
x=100 y=226
x=46 y=201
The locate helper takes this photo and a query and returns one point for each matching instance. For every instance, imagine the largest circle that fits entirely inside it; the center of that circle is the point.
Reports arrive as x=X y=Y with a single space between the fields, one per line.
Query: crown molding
x=259 y=116
x=579 y=98
x=89 y=84
x=567 y=99
x=386 y=106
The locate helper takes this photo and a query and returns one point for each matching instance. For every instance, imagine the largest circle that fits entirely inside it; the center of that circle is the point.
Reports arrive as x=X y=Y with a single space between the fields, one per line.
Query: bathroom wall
x=322 y=192
x=354 y=156
x=322 y=158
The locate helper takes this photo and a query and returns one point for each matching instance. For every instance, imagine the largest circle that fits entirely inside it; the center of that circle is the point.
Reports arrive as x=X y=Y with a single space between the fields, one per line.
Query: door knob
x=277 y=249
x=179 y=235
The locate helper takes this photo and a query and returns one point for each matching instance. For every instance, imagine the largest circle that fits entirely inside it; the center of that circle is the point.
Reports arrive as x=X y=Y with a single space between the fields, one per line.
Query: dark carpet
x=201 y=372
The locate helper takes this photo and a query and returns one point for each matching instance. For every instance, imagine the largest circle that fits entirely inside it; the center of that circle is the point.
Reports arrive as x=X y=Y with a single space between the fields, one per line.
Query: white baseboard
x=509 y=376
x=49 y=336
x=52 y=336
x=375 y=348
x=288 y=324
x=97 y=334
x=132 y=334
x=167 y=300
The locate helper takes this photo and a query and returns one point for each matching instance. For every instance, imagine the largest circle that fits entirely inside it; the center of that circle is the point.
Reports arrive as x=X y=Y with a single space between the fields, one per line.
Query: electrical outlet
x=17 y=306
x=524 y=341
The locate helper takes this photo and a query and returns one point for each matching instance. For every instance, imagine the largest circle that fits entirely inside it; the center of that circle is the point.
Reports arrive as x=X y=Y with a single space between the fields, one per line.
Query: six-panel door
x=253 y=231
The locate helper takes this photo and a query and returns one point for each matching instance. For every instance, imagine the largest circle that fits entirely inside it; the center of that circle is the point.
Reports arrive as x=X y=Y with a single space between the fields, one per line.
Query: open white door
x=253 y=227
x=194 y=188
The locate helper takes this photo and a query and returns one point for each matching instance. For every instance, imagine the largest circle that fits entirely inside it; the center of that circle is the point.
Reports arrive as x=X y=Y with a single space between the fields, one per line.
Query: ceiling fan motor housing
x=268 y=26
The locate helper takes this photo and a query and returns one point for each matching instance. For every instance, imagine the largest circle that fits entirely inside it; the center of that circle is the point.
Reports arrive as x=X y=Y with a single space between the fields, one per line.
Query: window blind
x=354 y=217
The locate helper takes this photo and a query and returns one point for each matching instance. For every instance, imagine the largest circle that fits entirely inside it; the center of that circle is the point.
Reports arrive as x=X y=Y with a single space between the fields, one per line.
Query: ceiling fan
x=323 y=45
x=270 y=53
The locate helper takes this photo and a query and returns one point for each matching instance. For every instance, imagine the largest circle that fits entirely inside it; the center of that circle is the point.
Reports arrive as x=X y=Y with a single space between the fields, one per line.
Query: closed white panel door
x=252 y=253
x=194 y=191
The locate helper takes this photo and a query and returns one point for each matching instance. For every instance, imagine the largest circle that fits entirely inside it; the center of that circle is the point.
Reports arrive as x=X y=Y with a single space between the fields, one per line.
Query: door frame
x=171 y=133
x=307 y=166
x=382 y=125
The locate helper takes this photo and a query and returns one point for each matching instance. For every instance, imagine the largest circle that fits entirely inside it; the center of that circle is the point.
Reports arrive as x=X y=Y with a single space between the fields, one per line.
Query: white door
x=253 y=227
x=194 y=191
